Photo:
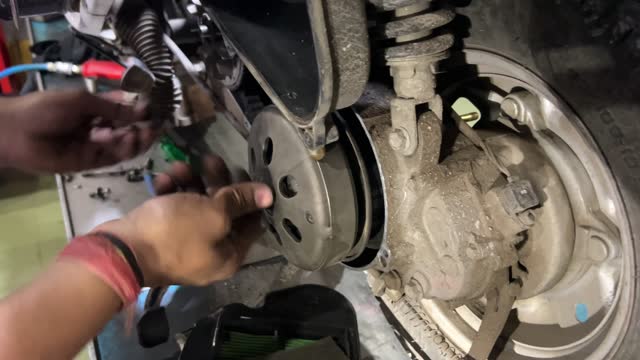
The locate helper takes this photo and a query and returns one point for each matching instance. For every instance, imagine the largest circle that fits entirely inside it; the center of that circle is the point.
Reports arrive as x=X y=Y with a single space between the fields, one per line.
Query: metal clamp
x=500 y=300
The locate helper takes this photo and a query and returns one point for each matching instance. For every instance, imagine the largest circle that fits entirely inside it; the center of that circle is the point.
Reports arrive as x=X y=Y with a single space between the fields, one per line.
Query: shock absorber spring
x=140 y=28
x=411 y=60
x=416 y=48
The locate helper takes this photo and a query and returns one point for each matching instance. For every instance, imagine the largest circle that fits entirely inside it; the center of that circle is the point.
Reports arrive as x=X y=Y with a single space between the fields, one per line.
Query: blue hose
x=22 y=68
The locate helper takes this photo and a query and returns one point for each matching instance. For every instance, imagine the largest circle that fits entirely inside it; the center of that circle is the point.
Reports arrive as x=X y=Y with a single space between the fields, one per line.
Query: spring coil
x=412 y=30
x=140 y=28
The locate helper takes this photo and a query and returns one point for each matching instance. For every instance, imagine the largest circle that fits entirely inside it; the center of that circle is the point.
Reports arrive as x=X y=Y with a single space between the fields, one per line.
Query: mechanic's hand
x=59 y=131
x=191 y=238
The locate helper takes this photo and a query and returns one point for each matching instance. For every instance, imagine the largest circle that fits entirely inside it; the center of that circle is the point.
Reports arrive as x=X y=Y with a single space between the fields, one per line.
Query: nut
x=397 y=140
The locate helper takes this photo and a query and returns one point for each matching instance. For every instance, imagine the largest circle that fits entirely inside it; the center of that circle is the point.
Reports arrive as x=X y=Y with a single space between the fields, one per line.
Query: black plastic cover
x=276 y=36
x=304 y=312
x=25 y=8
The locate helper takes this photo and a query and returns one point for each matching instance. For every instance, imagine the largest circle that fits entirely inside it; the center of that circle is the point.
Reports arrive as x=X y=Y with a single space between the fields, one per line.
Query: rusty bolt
x=510 y=107
x=414 y=290
x=397 y=139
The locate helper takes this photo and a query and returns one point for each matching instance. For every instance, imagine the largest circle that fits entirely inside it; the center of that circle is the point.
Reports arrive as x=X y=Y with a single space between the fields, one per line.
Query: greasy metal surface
x=596 y=272
x=438 y=225
x=410 y=62
x=549 y=245
x=589 y=275
x=314 y=212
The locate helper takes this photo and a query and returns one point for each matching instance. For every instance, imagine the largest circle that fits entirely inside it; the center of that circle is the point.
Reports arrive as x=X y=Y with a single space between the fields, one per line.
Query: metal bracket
x=404 y=137
x=523 y=107
x=473 y=136
x=318 y=135
x=500 y=300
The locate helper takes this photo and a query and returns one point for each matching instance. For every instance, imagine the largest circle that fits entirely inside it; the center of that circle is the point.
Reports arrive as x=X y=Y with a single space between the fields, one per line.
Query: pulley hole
x=522 y=267
x=267 y=151
x=288 y=186
x=293 y=230
x=273 y=231
x=252 y=159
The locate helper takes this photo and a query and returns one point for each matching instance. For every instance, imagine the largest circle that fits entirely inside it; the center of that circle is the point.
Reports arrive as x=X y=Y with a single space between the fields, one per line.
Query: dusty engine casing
x=448 y=229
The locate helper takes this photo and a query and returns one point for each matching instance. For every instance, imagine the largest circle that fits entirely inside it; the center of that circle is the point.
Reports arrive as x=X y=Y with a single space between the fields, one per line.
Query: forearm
x=57 y=314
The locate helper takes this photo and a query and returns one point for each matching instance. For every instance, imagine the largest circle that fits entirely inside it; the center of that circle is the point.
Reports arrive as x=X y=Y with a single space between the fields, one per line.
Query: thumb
x=243 y=198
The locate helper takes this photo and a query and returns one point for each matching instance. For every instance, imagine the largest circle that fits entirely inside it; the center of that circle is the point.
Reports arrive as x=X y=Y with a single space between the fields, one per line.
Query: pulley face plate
x=314 y=215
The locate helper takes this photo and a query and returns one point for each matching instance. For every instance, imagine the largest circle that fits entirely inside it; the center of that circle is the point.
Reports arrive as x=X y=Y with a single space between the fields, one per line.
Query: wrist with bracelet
x=109 y=258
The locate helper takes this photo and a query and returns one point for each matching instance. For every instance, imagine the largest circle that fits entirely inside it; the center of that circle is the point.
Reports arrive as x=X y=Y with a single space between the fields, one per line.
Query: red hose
x=103 y=69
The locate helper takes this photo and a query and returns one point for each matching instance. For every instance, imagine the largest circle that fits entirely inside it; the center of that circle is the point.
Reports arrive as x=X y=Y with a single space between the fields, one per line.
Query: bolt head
x=397 y=140
x=392 y=280
x=394 y=295
x=510 y=107
x=192 y=9
x=376 y=282
x=414 y=290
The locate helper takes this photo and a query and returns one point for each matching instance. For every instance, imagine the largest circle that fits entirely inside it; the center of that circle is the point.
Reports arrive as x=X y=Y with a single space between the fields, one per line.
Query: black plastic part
x=303 y=312
x=276 y=36
x=153 y=328
x=25 y=8
x=5 y=10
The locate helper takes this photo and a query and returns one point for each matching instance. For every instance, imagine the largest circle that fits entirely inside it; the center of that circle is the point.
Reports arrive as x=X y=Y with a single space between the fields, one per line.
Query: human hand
x=191 y=238
x=69 y=131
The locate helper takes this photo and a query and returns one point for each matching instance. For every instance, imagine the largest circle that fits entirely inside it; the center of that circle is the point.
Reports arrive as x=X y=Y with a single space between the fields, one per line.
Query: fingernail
x=263 y=197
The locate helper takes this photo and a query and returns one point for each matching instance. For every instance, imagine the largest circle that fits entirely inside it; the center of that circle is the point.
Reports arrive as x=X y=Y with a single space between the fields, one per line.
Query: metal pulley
x=314 y=218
